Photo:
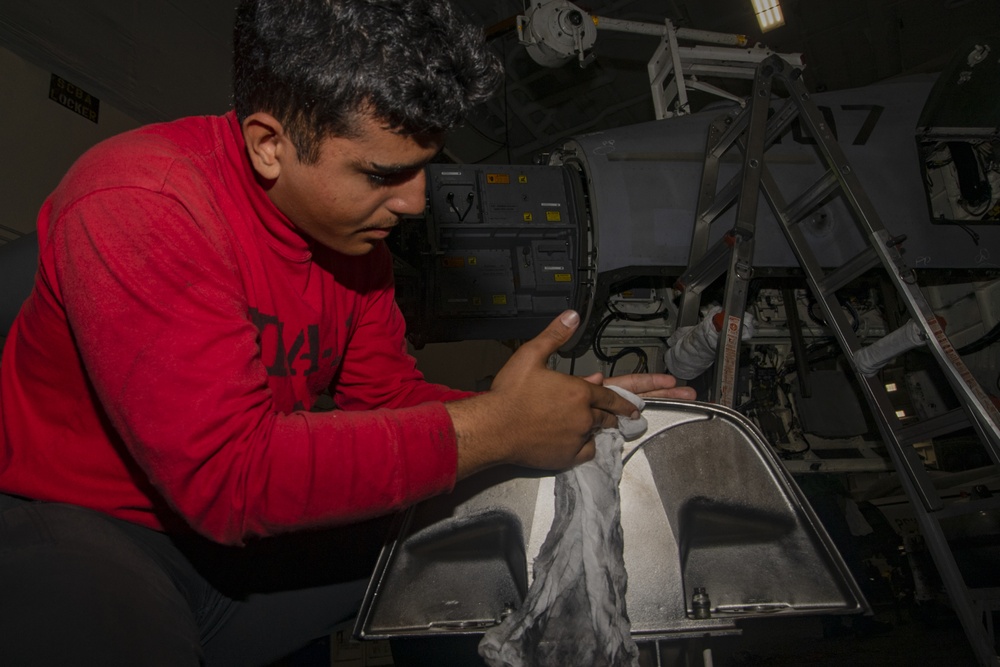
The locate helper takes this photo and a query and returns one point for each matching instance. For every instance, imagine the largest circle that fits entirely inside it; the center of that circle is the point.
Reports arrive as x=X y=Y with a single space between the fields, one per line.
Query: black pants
x=80 y=588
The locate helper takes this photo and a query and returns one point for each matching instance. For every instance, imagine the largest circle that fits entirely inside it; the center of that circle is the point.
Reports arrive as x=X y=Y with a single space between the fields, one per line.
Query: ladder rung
x=968 y=507
x=854 y=267
x=711 y=265
x=984 y=594
x=882 y=251
x=810 y=198
x=731 y=190
x=732 y=133
x=723 y=199
x=925 y=429
x=779 y=122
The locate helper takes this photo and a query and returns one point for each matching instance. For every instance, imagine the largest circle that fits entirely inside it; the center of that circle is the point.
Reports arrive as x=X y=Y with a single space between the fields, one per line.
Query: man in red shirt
x=168 y=496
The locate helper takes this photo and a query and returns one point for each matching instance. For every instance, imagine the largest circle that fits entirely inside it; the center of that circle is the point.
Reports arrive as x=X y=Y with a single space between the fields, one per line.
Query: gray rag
x=574 y=613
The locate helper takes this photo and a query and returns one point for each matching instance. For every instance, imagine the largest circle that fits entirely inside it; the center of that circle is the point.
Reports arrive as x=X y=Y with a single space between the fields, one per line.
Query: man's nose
x=410 y=197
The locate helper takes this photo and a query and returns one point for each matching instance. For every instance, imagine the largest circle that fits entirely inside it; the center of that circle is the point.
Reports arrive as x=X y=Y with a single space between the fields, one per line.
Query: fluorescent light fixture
x=768 y=14
x=901 y=414
x=891 y=387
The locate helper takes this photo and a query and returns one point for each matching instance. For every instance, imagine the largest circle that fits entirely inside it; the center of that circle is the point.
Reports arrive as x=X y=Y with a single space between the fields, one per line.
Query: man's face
x=358 y=189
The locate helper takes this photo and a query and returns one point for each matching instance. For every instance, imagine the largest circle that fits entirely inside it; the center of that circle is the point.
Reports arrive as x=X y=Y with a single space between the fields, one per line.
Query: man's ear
x=267 y=144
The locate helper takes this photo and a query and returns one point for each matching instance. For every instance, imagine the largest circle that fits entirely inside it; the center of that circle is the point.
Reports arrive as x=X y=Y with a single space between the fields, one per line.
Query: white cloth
x=693 y=349
x=574 y=613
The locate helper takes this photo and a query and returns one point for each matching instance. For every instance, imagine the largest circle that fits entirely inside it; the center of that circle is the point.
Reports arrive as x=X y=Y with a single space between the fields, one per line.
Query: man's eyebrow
x=397 y=168
x=391 y=169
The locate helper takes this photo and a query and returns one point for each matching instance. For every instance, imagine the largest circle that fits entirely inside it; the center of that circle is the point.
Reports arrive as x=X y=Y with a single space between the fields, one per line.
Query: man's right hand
x=533 y=416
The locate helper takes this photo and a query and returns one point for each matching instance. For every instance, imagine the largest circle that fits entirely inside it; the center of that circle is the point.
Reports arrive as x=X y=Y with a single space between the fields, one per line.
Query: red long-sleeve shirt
x=180 y=329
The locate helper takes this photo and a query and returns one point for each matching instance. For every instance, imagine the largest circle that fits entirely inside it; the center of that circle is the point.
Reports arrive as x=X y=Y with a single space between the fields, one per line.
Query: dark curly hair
x=316 y=64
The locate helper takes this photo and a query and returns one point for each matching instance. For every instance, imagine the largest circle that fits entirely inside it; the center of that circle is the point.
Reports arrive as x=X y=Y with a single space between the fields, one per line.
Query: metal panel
x=502 y=255
x=644 y=183
x=705 y=504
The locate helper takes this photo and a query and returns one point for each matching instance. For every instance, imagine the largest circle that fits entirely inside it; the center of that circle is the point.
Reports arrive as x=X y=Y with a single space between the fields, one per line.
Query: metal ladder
x=753 y=131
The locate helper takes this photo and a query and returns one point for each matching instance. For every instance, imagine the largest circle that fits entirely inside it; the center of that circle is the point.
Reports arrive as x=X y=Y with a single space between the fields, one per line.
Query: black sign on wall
x=74 y=98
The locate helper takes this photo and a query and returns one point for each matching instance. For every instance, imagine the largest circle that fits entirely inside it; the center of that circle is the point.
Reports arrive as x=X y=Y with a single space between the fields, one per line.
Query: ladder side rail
x=673 y=52
x=729 y=192
x=985 y=416
x=658 y=69
x=730 y=337
x=965 y=605
x=982 y=413
x=722 y=133
x=712 y=203
x=905 y=459
x=690 y=301
x=914 y=478
x=918 y=486
x=741 y=264
x=736 y=126
x=706 y=264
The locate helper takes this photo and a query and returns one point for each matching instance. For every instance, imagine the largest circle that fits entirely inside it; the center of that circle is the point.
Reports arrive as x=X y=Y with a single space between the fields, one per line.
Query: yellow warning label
x=498 y=179
x=564 y=277
x=476 y=301
x=472 y=261
x=528 y=217
x=553 y=216
x=452 y=262
x=522 y=179
x=499 y=299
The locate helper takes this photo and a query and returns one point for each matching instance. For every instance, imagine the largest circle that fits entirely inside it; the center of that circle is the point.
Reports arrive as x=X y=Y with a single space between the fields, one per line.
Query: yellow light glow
x=891 y=387
x=768 y=14
x=900 y=414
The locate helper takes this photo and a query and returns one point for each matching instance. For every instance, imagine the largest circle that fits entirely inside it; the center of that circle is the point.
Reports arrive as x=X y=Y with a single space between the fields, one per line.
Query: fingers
x=596 y=378
x=652 y=385
x=532 y=357
x=604 y=419
x=586 y=453
x=554 y=336
x=683 y=393
x=641 y=383
x=612 y=404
